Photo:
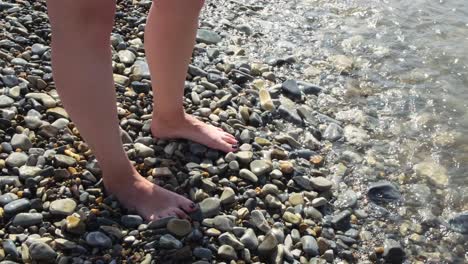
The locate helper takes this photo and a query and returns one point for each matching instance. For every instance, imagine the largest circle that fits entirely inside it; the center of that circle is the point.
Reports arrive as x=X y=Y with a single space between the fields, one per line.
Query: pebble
x=98 y=239
x=227 y=252
x=131 y=221
x=207 y=36
x=17 y=206
x=21 y=141
x=393 y=252
x=5 y=101
x=210 y=207
x=62 y=207
x=64 y=161
x=231 y=240
x=258 y=220
x=179 y=227
x=459 y=223
x=320 y=184
x=382 y=192
x=291 y=89
x=292 y=218
x=260 y=167
x=268 y=245
x=249 y=239
x=265 y=100
x=44 y=98
x=16 y=159
x=333 y=132
x=42 y=252
x=7 y=198
x=244 y=157
x=228 y=196
x=248 y=175
x=310 y=246
x=27 y=219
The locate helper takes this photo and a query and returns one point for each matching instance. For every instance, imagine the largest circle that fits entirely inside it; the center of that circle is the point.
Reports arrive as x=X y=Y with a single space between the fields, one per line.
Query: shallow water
x=410 y=60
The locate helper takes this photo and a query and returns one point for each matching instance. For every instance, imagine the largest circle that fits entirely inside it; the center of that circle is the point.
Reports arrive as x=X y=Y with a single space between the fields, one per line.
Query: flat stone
x=383 y=192
x=320 y=184
x=179 y=227
x=210 y=207
x=143 y=151
x=5 y=101
x=41 y=252
x=64 y=161
x=140 y=70
x=121 y=79
x=248 y=175
x=131 y=221
x=261 y=167
x=58 y=112
x=296 y=199
x=292 y=218
x=62 y=207
x=27 y=219
x=21 y=141
x=244 y=157
x=208 y=36
x=258 y=220
x=98 y=239
x=17 y=206
x=341 y=221
x=345 y=200
x=44 y=98
x=333 y=132
x=16 y=159
x=223 y=223
x=342 y=63
x=7 y=198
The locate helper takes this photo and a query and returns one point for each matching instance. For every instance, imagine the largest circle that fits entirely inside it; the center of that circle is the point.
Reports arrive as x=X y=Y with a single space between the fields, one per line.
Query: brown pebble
x=316 y=160
x=379 y=250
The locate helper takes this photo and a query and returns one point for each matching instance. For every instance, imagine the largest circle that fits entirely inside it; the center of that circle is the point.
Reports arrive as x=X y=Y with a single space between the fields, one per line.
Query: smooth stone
x=17 y=206
x=210 y=207
x=345 y=200
x=58 y=112
x=355 y=135
x=320 y=201
x=10 y=249
x=244 y=157
x=207 y=36
x=341 y=221
x=270 y=189
x=126 y=56
x=27 y=219
x=42 y=252
x=291 y=89
x=140 y=70
x=227 y=252
x=267 y=246
x=292 y=218
x=393 y=251
x=98 y=239
x=131 y=221
x=312 y=213
x=60 y=123
x=290 y=114
x=179 y=227
x=121 y=79
x=44 y=98
x=203 y=253
x=320 y=184
x=143 y=151
x=248 y=175
x=7 y=198
x=296 y=199
x=39 y=49
x=333 y=132
x=303 y=182
x=310 y=246
x=169 y=242
x=342 y=63
x=231 y=240
x=261 y=167
x=459 y=223
x=435 y=173
x=228 y=196
x=5 y=101
x=64 y=161
x=16 y=159
x=383 y=192
x=249 y=239
x=265 y=100
x=258 y=220
x=223 y=223
x=21 y=141
x=62 y=207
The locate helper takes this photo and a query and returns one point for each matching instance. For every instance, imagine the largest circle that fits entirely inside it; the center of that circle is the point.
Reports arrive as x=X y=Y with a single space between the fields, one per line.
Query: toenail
x=235 y=146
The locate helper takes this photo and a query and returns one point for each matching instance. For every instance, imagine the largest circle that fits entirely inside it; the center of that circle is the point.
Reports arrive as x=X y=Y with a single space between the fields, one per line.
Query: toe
x=226 y=147
x=180 y=213
x=220 y=129
x=229 y=140
x=188 y=207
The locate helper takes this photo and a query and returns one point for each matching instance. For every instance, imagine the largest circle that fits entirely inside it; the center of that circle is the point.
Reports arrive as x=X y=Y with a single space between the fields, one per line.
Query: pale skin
x=82 y=68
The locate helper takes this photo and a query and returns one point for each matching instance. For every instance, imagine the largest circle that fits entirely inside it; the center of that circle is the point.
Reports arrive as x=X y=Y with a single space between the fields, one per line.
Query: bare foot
x=150 y=201
x=189 y=127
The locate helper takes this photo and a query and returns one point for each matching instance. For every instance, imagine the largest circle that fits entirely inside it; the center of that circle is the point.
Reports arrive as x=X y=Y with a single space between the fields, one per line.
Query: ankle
x=168 y=114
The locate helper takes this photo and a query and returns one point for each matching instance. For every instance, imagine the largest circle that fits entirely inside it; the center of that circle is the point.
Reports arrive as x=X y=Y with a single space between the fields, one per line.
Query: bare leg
x=82 y=68
x=169 y=39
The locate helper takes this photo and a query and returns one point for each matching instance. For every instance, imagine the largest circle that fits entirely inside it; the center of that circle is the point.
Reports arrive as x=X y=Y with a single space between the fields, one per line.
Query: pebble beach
x=314 y=180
